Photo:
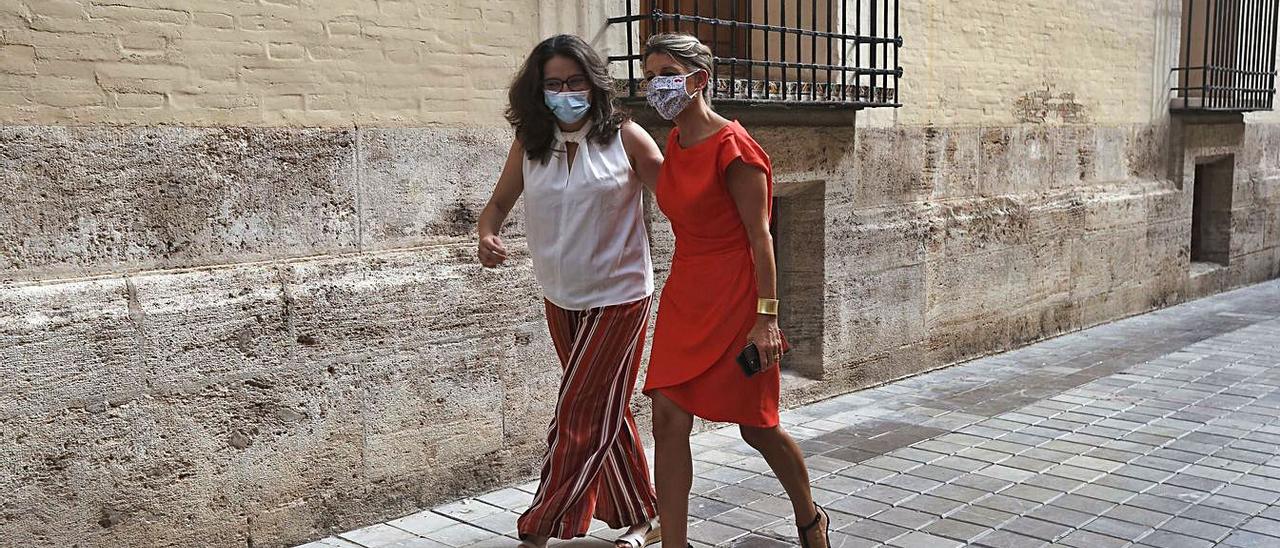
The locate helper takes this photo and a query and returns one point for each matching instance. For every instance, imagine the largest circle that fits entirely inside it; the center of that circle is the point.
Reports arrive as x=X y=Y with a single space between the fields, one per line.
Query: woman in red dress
x=716 y=187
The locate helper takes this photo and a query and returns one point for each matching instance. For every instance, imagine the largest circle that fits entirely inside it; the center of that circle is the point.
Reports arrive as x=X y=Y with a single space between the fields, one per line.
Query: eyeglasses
x=574 y=83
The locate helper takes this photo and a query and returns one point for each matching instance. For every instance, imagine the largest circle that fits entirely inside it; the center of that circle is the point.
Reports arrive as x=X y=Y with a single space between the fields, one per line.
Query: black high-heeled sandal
x=826 y=531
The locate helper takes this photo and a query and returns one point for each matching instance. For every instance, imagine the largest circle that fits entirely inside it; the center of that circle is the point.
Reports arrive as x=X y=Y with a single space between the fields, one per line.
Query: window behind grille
x=1228 y=55
x=829 y=52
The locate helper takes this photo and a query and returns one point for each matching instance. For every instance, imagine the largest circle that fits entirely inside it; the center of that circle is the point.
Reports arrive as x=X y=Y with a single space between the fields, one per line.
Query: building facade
x=238 y=299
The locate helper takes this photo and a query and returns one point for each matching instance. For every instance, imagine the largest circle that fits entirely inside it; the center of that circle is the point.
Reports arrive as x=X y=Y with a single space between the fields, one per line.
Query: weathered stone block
x=84 y=201
x=891 y=169
x=420 y=186
x=952 y=162
x=71 y=346
x=874 y=311
x=1016 y=160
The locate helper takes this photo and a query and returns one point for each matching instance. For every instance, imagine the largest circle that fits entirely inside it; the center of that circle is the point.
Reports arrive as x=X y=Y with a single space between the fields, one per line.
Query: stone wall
x=222 y=328
x=277 y=62
x=217 y=335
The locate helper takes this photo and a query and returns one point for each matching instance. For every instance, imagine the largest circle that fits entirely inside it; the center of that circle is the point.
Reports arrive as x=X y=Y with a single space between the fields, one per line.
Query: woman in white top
x=582 y=166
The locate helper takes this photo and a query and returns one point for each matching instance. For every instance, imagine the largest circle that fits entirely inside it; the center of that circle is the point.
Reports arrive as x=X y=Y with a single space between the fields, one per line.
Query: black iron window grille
x=1228 y=56
x=838 y=53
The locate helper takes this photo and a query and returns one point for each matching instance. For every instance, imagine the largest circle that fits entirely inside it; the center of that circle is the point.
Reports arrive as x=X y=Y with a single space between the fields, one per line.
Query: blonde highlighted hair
x=687 y=50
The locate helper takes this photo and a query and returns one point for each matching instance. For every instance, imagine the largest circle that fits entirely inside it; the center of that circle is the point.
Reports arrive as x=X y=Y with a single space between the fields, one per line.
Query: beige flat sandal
x=641 y=535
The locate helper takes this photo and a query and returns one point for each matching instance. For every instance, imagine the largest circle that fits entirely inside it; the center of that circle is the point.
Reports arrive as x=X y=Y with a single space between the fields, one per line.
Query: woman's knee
x=669 y=420
x=760 y=437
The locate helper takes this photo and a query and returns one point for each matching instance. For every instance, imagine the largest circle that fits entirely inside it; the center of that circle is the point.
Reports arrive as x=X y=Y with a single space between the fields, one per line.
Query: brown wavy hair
x=527 y=109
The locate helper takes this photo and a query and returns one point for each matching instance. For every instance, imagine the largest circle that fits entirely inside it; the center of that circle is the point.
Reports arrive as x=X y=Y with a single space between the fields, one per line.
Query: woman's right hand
x=491 y=251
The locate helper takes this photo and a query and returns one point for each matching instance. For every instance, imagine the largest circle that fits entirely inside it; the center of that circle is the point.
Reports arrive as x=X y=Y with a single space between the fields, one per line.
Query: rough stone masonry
x=238 y=305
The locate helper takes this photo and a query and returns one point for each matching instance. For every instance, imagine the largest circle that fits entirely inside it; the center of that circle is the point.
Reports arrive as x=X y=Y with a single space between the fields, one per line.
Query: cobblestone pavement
x=1156 y=431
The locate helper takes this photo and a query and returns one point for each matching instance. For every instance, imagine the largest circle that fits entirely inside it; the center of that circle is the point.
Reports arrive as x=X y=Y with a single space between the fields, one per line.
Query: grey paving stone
x=769 y=485
x=1116 y=528
x=1029 y=464
x=1009 y=539
x=1143 y=473
x=1216 y=516
x=867 y=473
x=1194 y=528
x=1062 y=516
x=1085 y=475
x=1166 y=539
x=905 y=518
x=916 y=454
x=1233 y=504
x=749 y=520
x=859 y=506
x=1093 y=463
x=1081 y=538
x=832 y=482
x=908 y=482
x=1249 y=539
x=1259 y=482
x=425 y=522
x=933 y=505
x=958 y=493
x=956 y=530
x=936 y=473
x=777 y=506
x=982 y=483
x=885 y=494
x=756 y=541
x=503 y=523
x=1250 y=494
x=981 y=515
x=961 y=463
x=461 y=534
x=875 y=530
x=704 y=508
x=923 y=540
x=331 y=542
x=940 y=447
x=1261 y=525
x=1102 y=492
x=1011 y=475
x=1081 y=503
x=714 y=533
x=1031 y=493
x=725 y=474
x=381 y=534
x=1054 y=483
x=1035 y=528
x=1008 y=504
x=843 y=540
x=893 y=464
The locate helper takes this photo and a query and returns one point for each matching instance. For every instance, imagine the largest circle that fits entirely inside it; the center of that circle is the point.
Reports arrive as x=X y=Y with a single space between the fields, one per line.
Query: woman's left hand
x=768 y=339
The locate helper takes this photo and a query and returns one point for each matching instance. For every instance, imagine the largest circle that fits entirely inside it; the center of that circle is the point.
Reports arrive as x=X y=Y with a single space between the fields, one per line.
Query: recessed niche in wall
x=1211 y=211
x=799 y=241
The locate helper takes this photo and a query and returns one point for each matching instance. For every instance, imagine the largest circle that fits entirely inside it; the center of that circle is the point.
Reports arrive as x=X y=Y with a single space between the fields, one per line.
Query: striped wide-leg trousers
x=594 y=465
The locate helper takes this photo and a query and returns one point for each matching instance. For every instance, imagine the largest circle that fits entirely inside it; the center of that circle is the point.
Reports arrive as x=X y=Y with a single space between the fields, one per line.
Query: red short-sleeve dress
x=708 y=304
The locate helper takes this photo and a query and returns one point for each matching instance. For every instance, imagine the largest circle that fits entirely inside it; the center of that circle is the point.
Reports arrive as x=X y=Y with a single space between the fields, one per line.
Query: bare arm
x=749 y=187
x=510 y=186
x=646 y=158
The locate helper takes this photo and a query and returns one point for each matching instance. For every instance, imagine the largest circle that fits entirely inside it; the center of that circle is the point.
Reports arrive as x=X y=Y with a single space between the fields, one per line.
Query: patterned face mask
x=668 y=95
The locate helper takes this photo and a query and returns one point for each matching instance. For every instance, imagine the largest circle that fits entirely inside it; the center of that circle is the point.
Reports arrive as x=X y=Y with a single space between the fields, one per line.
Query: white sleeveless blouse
x=585 y=226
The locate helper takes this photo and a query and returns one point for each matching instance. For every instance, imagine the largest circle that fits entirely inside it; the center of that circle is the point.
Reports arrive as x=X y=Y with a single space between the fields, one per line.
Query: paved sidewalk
x=1157 y=431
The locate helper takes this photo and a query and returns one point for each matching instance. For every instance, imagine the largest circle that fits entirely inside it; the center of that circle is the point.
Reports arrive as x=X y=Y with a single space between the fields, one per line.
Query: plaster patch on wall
x=1047 y=104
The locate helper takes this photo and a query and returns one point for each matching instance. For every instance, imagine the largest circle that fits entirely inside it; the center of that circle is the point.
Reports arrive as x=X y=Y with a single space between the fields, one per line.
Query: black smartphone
x=749 y=359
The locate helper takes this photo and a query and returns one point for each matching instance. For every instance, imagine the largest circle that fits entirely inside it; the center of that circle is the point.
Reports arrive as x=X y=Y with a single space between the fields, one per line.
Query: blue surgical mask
x=569 y=106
